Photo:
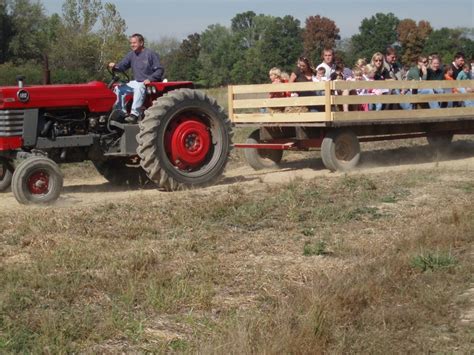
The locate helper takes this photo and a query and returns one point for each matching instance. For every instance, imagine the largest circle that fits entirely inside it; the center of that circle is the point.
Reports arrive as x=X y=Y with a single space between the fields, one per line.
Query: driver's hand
x=111 y=65
x=146 y=81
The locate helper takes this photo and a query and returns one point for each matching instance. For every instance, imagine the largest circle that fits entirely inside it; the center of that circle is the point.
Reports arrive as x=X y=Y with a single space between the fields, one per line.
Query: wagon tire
x=37 y=180
x=340 y=150
x=6 y=173
x=261 y=158
x=184 y=140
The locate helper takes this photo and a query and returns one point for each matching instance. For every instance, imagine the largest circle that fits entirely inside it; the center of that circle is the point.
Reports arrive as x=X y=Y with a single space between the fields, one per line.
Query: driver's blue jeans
x=138 y=89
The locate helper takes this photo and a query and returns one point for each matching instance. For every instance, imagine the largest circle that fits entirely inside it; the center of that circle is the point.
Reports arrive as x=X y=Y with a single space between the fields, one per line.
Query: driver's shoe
x=132 y=118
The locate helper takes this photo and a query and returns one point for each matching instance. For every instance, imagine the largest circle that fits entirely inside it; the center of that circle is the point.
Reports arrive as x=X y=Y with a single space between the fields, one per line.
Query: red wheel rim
x=188 y=142
x=38 y=182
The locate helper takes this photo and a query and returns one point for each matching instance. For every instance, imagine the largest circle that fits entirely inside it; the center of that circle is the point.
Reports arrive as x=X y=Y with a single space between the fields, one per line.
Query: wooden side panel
x=279 y=117
x=252 y=103
x=230 y=101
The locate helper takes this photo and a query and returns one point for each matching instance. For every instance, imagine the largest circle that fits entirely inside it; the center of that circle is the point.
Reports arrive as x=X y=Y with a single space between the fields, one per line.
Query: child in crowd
x=370 y=72
x=465 y=73
x=277 y=77
x=448 y=75
x=360 y=63
x=285 y=77
x=320 y=76
x=357 y=75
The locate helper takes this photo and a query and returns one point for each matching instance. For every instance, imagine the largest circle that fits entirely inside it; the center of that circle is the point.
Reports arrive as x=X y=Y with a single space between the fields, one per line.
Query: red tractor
x=184 y=138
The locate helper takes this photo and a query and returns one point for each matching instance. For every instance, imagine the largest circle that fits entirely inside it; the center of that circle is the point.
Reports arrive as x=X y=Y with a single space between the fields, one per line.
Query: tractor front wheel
x=37 y=180
x=184 y=140
x=6 y=172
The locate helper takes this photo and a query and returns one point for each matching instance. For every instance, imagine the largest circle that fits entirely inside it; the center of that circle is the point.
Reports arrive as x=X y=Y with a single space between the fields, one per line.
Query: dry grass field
x=296 y=261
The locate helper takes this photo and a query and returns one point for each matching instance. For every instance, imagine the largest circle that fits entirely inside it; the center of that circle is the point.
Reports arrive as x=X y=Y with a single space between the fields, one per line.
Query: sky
x=156 y=19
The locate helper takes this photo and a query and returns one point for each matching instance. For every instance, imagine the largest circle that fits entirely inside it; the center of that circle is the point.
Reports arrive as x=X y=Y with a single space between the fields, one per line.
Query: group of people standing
x=383 y=66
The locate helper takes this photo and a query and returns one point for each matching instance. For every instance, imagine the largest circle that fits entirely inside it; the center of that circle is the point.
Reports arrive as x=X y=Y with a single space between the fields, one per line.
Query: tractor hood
x=94 y=95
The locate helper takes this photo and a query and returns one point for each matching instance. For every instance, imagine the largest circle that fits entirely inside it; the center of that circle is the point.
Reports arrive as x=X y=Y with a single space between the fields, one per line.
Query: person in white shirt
x=328 y=62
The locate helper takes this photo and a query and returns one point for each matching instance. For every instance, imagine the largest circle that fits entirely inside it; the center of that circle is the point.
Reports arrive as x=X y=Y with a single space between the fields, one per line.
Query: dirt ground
x=242 y=259
x=89 y=188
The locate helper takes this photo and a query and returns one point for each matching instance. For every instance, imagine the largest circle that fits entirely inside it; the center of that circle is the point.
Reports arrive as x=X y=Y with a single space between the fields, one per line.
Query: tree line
x=88 y=34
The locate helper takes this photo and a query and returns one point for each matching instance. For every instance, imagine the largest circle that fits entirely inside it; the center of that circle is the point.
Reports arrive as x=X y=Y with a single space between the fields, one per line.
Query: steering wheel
x=117 y=75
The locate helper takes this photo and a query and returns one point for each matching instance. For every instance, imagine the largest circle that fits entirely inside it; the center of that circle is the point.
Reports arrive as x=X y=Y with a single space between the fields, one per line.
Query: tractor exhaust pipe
x=20 y=79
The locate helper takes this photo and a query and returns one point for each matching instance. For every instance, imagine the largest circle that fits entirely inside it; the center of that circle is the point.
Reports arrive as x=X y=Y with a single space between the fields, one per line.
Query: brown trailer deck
x=330 y=123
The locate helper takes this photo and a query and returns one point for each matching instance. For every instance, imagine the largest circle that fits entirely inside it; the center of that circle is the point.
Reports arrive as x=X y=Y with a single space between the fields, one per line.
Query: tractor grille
x=11 y=123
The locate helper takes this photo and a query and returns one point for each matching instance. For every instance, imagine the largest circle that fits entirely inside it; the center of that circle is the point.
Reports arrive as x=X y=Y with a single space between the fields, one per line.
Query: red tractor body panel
x=10 y=143
x=95 y=96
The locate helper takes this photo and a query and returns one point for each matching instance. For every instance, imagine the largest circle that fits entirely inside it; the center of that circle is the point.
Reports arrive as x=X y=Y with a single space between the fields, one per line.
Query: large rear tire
x=340 y=150
x=37 y=180
x=6 y=173
x=261 y=158
x=119 y=173
x=184 y=140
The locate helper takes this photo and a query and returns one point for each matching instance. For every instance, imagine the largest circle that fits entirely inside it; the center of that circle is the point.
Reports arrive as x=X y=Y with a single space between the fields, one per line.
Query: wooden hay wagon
x=334 y=122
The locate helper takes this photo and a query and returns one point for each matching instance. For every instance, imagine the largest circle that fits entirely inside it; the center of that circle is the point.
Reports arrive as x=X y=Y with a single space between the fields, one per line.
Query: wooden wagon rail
x=248 y=104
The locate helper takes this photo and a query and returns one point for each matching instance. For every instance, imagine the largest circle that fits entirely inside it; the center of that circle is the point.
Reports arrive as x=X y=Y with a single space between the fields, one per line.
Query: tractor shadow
x=105 y=187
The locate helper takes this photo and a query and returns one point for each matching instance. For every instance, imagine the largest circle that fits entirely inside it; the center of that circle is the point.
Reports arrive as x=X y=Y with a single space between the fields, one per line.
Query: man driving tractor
x=146 y=68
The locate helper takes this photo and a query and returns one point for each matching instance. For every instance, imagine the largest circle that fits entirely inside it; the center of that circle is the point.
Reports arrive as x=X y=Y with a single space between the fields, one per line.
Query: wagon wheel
x=261 y=158
x=184 y=140
x=340 y=150
x=6 y=172
x=37 y=180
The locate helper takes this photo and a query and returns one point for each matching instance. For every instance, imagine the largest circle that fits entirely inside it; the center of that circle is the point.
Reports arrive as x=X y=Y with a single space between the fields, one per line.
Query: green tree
x=446 y=42
x=113 y=41
x=281 y=44
x=81 y=15
x=318 y=34
x=5 y=31
x=244 y=26
x=29 y=40
x=78 y=48
x=88 y=36
x=185 y=64
x=375 y=34
x=217 y=55
x=165 y=45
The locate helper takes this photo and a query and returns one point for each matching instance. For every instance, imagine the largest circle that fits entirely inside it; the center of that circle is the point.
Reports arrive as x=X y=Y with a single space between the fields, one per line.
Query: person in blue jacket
x=146 y=67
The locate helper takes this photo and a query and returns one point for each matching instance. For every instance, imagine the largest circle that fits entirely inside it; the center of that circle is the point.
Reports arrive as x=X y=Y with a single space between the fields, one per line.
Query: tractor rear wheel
x=37 y=180
x=261 y=158
x=184 y=140
x=119 y=173
x=340 y=150
x=6 y=172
